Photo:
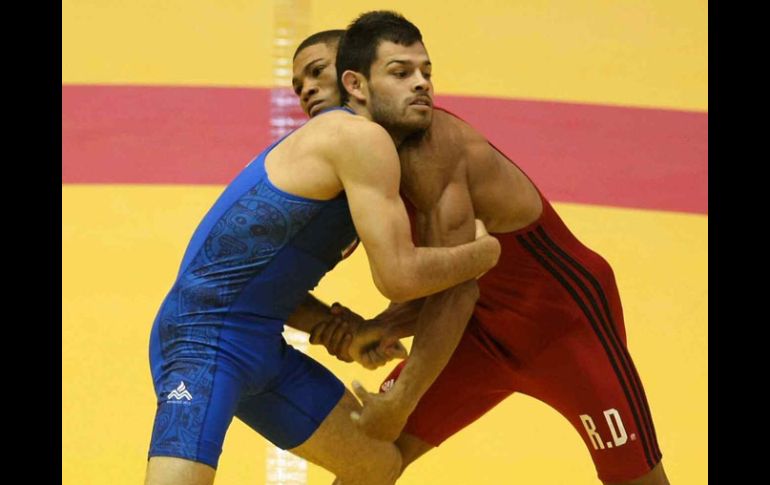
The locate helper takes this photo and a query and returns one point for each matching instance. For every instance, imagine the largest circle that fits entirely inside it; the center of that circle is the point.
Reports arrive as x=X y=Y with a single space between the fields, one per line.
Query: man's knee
x=390 y=466
x=394 y=463
x=411 y=448
x=387 y=465
x=383 y=468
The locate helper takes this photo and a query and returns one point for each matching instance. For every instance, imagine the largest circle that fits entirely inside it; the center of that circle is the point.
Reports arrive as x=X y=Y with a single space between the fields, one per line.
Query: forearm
x=439 y=328
x=401 y=318
x=308 y=314
x=431 y=270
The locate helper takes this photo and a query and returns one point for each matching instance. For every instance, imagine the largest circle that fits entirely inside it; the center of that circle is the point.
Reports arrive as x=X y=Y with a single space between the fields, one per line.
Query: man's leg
x=411 y=448
x=196 y=403
x=168 y=470
x=598 y=390
x=340 y=447
x=656 y=476
x=307 y=411
x=473 y=382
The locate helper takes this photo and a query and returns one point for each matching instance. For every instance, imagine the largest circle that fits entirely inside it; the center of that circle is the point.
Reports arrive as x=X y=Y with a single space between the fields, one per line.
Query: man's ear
x=355 y=84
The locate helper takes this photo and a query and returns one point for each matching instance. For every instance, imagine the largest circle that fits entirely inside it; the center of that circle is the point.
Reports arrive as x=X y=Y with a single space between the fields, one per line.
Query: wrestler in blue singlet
x=216 y=348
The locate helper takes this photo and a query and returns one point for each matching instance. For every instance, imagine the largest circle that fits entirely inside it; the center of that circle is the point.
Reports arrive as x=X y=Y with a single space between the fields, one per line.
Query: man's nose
x=309 y=91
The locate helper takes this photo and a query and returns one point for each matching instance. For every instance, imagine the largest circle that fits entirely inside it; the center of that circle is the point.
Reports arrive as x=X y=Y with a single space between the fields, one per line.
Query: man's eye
x=317 y=71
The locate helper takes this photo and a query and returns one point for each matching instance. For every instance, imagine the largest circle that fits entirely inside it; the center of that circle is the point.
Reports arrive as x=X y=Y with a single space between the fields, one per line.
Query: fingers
x=360 y=392
x=368 y=361
x=343 y=352
x=397 y=351
x=374 y=358
x=340 y=311
x=371 y=359
x=481 y=229
x=327 y=332
x=336 y=309
x=336 y=338
x=315 y=333
x=392 y=348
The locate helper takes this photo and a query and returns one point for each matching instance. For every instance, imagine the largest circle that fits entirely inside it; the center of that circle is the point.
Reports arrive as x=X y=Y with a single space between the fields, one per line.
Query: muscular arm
x=440 y=323
x=368 y=167
x=400 y=318
x=443 y=316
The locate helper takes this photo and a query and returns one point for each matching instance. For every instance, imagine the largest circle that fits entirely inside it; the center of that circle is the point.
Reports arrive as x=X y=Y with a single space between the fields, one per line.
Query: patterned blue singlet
x=216 y=348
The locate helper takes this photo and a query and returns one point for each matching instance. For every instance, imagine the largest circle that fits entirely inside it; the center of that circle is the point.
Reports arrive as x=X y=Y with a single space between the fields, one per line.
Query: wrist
x=408 y=389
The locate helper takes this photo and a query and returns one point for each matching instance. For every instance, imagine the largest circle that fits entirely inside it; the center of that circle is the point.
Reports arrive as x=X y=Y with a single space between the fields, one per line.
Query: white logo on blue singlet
x=180 y=392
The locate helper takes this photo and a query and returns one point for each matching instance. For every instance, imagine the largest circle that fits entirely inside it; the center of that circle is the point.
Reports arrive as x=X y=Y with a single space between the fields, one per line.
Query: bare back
x=452 y=174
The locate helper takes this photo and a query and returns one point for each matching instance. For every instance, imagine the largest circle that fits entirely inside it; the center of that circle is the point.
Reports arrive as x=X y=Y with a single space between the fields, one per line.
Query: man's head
x=314 y=77
x=383 y=67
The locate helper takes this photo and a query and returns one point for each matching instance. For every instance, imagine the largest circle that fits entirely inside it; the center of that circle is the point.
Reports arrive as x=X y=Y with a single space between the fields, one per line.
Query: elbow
x=403 y=286
x=398 y=289
x=397 y=292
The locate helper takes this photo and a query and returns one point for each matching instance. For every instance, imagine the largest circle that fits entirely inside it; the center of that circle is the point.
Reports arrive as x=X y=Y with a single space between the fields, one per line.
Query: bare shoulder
x=479 y=156
x=449 y=142
x=355 y=147
x=460 y=131
x=342 y=133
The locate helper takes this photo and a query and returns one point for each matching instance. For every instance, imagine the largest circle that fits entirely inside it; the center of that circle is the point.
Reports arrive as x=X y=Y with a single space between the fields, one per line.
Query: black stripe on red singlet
x=620 y=349
x=602 y=339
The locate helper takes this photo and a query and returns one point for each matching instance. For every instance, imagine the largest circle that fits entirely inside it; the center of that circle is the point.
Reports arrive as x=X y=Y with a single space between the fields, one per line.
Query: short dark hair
x=327 y=37
x=357 y=49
